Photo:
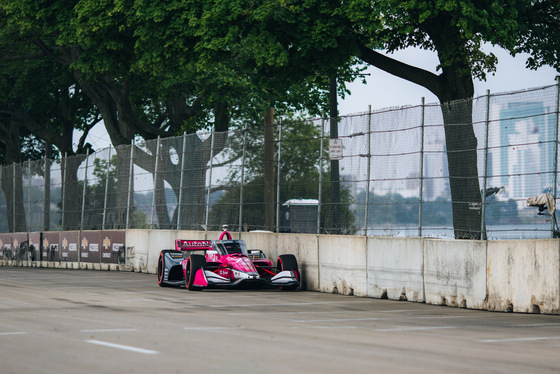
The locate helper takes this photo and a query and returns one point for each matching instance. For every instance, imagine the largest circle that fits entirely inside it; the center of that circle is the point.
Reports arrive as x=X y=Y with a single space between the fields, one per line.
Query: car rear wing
x=193 y=245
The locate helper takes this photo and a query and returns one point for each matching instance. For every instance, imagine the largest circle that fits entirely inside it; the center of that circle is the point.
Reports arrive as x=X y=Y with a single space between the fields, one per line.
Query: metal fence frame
x=487 y=125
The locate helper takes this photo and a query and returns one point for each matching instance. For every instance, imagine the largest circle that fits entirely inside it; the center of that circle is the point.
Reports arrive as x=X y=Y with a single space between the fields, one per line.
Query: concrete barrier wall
x=342 y=264
x=395 y=268
x=519 y=276
x=523 y=276
x=455 y=272
x=305 y=247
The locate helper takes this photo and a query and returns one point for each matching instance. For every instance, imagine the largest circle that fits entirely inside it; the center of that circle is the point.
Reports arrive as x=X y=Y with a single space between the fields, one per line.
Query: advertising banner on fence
x=69 y=244
x=112 y=247
x=50 y=246
x=90 y=245
x=5 y=242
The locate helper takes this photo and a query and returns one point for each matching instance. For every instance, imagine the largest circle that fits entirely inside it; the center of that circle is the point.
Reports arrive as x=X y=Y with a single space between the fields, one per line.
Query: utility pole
x=335 y=174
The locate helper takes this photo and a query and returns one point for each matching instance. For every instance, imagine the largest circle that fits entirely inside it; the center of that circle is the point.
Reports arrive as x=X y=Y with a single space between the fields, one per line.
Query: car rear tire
x=195 y=263
x=161 y=270
x=288 y=262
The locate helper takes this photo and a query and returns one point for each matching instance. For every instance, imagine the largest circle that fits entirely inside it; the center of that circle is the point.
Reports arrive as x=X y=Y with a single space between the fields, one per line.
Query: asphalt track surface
x=79 y=321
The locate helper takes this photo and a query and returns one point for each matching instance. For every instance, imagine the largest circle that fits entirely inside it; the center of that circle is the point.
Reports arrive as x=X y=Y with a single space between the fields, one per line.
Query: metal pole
x=421 y=192
x=155 y=181
x=320 y=194
x=64 y=190
x=28 y=196
x=366 y=208
x=336 y=226
x=242 y=177
x=84 y=192
x=130 y=176
x=14 y=218
x=278 y=178
x=106 y=189
x=181 y=180
x=278 y=173
x=485 y=176
x=555 y=189
x=47 y=190
x=209 y=181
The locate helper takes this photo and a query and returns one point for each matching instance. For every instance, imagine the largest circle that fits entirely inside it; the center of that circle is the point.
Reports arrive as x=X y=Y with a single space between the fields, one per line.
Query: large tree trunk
x=456 y=95
x=13 y=192
x=463 y=172
x=455 y=90
x=124 y=208
x=72 y=193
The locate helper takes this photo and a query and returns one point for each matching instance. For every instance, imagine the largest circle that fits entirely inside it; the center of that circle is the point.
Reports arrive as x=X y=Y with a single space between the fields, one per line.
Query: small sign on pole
x=335 y=149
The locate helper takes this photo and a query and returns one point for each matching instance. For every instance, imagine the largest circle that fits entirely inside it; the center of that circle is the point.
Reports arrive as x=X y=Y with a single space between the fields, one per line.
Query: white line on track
x=108 y=330
x=214 y=328
x=270 y=304
x=318 y=312
x=324 y=327
x=12 y=333
x=284 y=313
x=538 y=325
x=520 y=339
x=424 y=328
x=372 y=319
x=124 y=347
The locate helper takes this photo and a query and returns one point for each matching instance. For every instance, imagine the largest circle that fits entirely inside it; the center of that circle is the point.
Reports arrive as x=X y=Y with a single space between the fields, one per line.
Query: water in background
x=494 y=232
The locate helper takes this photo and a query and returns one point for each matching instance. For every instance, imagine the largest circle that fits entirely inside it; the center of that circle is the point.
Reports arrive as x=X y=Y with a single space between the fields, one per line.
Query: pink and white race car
x=226 y=263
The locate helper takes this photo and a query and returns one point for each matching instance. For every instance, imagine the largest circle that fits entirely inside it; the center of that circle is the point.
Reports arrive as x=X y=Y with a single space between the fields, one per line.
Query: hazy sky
x=384 y=90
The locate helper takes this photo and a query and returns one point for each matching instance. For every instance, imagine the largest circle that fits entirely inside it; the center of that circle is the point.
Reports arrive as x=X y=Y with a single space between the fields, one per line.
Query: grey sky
x=385 y=90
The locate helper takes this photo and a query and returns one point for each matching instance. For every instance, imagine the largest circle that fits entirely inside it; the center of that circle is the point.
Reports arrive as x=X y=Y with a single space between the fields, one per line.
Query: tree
x=152 y=74
x=96 y=43
x=454 y=29
x=40 y=102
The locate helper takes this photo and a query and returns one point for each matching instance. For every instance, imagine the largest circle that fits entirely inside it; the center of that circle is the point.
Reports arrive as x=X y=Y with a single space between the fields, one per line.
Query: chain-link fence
x=459 y=170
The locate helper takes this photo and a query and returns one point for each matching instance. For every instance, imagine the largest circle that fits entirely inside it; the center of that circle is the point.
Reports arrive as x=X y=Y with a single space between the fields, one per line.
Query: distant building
x=521 y=154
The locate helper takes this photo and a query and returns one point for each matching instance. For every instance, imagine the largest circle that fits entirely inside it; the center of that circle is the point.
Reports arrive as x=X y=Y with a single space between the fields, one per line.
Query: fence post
x=209 y=180
x=155 y=181
x=29 y=196
x=278 y=178
x=130 y=176
x=181 y=180
x=106 y=189
x=555 y=189
x=483 y=234
x=63 y=177
x=320 y=194
x=242 y=185
x=421 y=192
x=366 y=210
x=47 y=190
x=84 y=192
x=14 y=218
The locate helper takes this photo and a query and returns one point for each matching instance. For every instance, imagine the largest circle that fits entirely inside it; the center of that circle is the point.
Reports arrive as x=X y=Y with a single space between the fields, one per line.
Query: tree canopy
x=161 y=68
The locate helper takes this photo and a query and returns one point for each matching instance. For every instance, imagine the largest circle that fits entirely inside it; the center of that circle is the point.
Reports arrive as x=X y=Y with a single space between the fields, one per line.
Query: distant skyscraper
x=522 y=149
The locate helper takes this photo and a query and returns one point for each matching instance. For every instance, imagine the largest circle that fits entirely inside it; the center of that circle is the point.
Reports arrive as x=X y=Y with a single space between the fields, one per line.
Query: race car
x=226 y=263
